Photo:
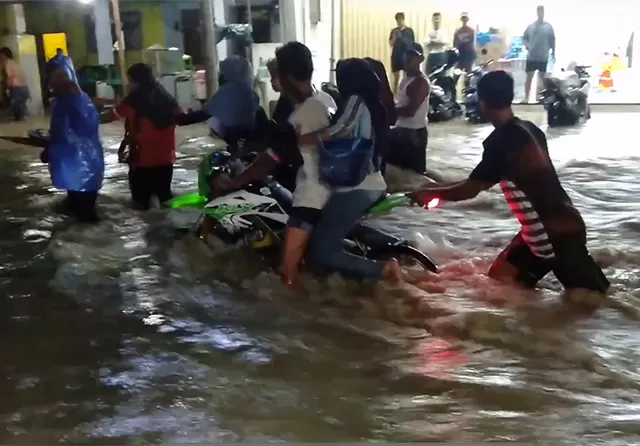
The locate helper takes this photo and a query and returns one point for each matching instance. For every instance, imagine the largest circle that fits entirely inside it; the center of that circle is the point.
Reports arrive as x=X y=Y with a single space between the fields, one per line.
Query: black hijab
x=356 y=77
x=149 y=99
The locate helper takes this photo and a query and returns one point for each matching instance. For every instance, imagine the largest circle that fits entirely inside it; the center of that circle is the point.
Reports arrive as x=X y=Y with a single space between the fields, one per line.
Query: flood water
x=124 y=334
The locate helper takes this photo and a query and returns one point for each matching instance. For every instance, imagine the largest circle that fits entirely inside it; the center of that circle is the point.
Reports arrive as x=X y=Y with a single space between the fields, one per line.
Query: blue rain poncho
x=235 y=103
x=75 y=156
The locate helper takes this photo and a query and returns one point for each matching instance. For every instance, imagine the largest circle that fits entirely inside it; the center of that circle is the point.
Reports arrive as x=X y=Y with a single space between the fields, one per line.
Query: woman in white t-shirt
x=362 y=114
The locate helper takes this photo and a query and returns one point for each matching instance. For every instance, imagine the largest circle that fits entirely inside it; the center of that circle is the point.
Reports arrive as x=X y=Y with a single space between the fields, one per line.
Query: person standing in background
x=408 y=139
x=464 y=40
x=17 y=89
x=538 y=38
x=436 y=45
x=400 y=40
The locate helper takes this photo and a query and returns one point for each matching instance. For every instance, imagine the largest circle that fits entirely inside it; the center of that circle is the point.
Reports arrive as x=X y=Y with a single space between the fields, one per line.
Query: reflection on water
x=127 y=333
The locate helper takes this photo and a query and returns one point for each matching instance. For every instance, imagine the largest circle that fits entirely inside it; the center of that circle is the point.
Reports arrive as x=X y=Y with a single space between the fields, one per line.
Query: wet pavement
x=126 y=334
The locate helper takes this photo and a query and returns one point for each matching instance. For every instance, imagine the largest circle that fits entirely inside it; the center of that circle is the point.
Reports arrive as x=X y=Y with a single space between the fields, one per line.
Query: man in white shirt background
x=436 y=44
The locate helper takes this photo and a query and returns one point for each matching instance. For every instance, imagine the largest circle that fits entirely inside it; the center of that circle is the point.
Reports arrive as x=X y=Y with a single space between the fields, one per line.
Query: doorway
x=192 y=35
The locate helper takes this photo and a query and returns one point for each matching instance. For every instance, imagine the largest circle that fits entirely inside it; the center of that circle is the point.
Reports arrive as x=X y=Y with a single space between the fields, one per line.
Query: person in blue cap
x=73 y=150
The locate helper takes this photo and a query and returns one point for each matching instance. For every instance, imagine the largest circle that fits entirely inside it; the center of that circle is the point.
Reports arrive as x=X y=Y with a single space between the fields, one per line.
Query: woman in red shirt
x=149 y=112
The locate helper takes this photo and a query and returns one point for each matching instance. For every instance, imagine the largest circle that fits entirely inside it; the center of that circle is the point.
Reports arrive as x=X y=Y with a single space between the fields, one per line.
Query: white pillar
x=220 y=16
x=102 y=28
x=291 y=20
x=15 y=18
x=211 y=50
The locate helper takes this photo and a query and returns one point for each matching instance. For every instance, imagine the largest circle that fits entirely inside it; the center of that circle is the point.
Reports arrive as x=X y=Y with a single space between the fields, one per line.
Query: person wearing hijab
x=365 y=115
x=386 y=95
x=233 y=110
x=73 y=150
x=149 y=111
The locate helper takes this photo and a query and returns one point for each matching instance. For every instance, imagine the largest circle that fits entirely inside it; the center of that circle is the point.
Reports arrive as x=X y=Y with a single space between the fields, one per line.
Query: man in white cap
x=464 y=40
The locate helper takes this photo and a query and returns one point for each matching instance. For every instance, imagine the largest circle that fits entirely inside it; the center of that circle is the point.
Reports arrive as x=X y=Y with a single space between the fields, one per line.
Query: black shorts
x=304 y=218
x=534 y=65
x=573 y=266
x=397 y=63
x=82 y=205
x=408 y=149
x=145 y=182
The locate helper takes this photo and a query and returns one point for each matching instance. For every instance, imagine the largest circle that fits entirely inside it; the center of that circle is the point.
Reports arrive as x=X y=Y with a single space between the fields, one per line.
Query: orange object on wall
x=605 y=80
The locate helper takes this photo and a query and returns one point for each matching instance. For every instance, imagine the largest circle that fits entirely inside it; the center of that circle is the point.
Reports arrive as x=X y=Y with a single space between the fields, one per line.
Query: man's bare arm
x=258 y=170
x=417 y=92
x=461 y=191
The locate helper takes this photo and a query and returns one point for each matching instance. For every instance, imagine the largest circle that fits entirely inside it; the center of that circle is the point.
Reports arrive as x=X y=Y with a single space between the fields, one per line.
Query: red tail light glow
x=433 y=203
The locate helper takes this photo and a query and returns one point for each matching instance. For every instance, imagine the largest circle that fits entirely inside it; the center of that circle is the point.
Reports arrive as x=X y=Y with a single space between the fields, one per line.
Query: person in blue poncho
x=73 y=150
x=233 y=112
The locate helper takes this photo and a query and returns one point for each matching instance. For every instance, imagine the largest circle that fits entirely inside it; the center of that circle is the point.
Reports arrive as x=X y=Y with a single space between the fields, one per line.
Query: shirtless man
x=408 y=139
x=17 y=90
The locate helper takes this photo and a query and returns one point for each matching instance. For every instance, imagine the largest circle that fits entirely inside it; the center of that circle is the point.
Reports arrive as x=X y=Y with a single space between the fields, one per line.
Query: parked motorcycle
x=470 y=93
x=566 y=96
x=443 y=104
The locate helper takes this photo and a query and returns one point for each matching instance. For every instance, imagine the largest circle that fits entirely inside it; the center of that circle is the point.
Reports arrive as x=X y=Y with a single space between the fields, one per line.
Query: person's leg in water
x=517 y=264
x=82 y=205
x=160 y=179
x=408 y=149
x=575 y=268
x=140 y=187
x=296 y=237
x=339 y=216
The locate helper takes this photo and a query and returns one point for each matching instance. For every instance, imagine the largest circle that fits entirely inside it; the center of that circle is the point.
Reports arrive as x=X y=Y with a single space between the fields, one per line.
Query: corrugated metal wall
x=366 y=24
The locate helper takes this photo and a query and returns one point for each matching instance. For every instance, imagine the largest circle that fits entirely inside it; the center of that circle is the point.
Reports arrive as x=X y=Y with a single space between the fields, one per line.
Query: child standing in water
x=73 y=151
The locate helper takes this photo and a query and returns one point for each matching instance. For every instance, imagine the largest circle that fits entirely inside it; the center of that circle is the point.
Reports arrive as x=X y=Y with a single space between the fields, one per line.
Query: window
x=131 y=28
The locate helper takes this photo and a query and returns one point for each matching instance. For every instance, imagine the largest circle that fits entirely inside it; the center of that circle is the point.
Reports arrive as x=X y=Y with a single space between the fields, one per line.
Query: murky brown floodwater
x=122 y=334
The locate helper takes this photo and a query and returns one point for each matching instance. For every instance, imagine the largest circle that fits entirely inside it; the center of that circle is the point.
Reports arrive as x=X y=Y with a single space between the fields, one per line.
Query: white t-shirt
x=308 y=117
x=436 y=43
x=327 y=100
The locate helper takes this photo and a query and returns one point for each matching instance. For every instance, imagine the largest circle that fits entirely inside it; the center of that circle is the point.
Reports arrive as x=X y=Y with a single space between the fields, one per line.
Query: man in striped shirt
x=553 y=233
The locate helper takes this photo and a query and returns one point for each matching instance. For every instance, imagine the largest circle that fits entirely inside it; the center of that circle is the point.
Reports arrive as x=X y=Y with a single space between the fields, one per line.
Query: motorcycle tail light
x=433 y=203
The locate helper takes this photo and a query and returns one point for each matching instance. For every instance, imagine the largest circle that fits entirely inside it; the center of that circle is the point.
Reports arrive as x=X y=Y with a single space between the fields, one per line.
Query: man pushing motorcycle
x=553 y=234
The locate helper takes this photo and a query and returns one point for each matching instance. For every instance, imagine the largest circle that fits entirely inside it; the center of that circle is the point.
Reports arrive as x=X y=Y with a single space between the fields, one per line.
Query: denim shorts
x=304 y=218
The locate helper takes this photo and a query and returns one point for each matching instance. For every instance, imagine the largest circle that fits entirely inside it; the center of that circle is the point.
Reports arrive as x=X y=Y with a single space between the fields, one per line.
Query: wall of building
x=296 y=24
x=172 y=16
x=68 y=17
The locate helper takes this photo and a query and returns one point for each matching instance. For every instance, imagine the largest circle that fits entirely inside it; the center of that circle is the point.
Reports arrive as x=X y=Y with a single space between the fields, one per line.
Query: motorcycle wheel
x=406 y=255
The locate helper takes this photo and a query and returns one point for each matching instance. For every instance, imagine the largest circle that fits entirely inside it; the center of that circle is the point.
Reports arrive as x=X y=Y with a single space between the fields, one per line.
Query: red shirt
x=157 y=147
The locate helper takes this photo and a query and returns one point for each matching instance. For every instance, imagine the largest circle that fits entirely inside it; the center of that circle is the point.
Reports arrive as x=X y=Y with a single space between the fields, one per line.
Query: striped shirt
x=516 y=156
x=533 y=231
